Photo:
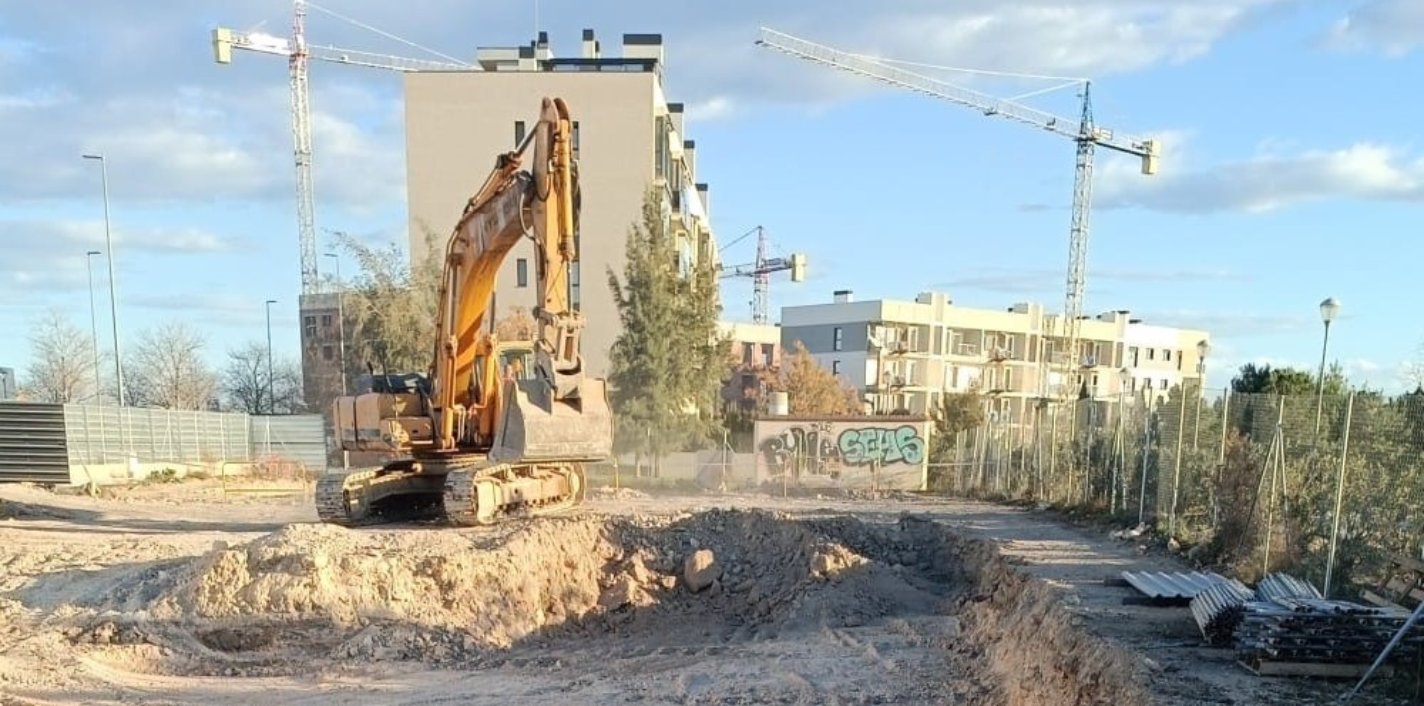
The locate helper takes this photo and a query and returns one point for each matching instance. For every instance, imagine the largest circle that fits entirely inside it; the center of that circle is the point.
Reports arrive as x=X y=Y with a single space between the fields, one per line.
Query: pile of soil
x=312 y=595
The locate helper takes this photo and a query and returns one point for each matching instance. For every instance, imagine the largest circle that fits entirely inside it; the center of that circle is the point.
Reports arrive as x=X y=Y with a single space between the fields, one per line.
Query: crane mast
x=301 y=139
x=760 y=273
x=1087 y=135
x=299 y=54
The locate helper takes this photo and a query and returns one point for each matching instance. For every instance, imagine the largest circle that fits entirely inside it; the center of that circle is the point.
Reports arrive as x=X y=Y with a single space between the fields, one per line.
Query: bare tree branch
x=63 y=367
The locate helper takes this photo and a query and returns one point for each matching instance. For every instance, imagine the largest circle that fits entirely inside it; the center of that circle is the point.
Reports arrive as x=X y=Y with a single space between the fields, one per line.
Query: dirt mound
x=443 y=595
x=608 y=492
x=556 y=591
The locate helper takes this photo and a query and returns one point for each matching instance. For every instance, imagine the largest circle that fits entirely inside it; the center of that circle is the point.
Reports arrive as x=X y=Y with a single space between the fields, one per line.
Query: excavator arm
x=559 y=414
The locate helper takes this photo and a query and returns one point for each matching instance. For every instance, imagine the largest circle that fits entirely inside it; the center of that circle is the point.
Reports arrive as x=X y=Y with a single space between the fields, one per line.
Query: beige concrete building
x=906 y=354
x=627 y=138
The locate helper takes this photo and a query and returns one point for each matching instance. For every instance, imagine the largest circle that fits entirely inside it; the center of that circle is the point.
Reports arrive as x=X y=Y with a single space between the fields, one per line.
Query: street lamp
x=94 y=324
x=1203 y=349
x=113 y=298
x=1329 y=309
x=271 y=400
x=340 y=316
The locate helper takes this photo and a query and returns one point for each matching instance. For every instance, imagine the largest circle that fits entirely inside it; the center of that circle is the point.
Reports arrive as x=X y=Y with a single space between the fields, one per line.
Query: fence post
x=1177 y=461
x=1339 y=496
x=1220 y=462
x=1146 y=452
x=1052 y=457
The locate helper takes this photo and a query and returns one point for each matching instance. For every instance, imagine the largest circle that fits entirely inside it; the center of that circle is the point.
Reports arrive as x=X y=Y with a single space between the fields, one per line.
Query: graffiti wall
x=886 y=453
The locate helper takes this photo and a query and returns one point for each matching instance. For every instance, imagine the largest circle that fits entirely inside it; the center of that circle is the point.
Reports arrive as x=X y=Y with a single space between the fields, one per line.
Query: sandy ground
x=182 y=594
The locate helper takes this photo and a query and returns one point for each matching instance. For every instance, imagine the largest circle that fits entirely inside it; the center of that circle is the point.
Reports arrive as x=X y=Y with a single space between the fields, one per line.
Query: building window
x=1152 y=354
x=1167 y=354
x=309 y=326
x=838 y=339
x=574 y=140
x=1008 y=378
x=835 y=367
x=326 y=353
x=518 y=132
x=326 y=320
x=521 y=272
x=1132 y=353
x=1164 y=383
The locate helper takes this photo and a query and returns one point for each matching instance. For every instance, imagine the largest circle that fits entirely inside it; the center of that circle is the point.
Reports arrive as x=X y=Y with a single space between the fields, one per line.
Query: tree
x=63 y=358
x=665 y=364
x=811 y=390
x=517 y=325
x=244 y=382
x=1263 y=379
x=956 y=412
x=168 y=370
x=391 y=306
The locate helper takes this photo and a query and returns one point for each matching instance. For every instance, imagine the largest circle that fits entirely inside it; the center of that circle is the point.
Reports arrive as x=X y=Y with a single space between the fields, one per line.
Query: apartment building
x=903 y=355
x=627 y=138
x=755 y=349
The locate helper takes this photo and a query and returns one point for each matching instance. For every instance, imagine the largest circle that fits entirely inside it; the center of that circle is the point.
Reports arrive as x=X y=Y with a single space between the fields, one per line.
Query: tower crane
x=1087 y=134
x=760 y=272
x=298 y=54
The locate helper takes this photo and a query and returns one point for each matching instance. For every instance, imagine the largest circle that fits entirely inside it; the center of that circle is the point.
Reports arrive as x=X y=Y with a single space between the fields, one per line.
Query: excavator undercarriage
x=462 y=491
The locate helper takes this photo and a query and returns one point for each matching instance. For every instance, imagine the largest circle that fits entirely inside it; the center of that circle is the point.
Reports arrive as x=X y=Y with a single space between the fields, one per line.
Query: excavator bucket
x=536 y=428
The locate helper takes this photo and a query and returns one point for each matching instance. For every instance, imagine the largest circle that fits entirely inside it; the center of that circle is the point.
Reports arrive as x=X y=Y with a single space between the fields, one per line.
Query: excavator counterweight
x=493 y=428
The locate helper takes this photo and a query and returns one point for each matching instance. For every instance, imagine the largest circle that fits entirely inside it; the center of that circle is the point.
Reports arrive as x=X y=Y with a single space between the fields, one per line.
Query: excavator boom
x=501 y=426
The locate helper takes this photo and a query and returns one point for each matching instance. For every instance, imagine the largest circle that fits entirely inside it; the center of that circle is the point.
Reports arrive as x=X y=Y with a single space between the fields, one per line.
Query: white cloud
x=1266 y=181
x=1229 y=324
x=1030 y=280
x=1395 y=27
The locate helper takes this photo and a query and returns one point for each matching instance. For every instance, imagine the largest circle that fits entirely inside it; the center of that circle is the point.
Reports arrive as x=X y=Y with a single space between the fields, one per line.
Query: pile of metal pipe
x=1295 y=629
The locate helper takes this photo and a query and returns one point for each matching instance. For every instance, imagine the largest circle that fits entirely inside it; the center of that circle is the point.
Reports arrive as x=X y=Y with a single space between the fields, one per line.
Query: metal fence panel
x=106 y=435
x=295 y=437
x=32 y=446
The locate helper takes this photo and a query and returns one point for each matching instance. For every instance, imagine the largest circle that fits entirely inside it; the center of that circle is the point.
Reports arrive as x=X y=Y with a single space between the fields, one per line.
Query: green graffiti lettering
x=868 y=445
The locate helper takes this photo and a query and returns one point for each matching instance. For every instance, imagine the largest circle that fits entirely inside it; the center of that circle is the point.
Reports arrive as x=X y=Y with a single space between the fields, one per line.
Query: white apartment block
x=906 y=354
x=627 y=138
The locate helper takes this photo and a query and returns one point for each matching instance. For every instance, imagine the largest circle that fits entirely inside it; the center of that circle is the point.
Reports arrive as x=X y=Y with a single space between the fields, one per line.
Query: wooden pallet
x=1402 y=587
x=1322 y=670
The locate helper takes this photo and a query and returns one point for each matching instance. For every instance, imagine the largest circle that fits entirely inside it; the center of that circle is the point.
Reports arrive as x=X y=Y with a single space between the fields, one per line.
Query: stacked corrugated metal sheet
x=1219 y=608
x=1288 y=621
x=1282 y=585
x=1171 y=588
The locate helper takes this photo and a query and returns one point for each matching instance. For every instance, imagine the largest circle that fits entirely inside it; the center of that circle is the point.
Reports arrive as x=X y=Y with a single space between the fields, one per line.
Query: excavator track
x=460 y=492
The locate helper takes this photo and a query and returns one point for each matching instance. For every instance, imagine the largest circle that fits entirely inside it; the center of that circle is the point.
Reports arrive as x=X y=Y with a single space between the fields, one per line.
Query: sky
x=1291 y=166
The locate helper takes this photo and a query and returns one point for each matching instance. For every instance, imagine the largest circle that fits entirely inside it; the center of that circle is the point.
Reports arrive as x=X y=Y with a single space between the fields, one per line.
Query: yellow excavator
x=494 y=428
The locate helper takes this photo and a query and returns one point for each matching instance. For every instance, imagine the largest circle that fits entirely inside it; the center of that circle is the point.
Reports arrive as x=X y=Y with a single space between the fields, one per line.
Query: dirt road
x=178 y=594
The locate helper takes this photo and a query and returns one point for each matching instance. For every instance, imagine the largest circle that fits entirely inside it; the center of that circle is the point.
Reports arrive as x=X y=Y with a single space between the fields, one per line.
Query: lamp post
x=271 y=401
x=113 y=298
x=1329 y=309
x=1203 y=349
x=340 y=317
x=94 y=324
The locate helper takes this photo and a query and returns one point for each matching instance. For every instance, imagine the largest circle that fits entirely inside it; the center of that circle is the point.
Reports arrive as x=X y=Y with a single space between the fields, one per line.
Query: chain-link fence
x=1330 y=486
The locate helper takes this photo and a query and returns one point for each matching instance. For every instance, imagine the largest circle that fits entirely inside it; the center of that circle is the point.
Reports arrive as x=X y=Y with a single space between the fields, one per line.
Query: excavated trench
x=727 y=606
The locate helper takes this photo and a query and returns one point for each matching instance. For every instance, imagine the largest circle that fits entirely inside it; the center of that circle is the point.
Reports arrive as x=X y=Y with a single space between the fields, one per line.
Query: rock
x=624 y=591
x=700 y=569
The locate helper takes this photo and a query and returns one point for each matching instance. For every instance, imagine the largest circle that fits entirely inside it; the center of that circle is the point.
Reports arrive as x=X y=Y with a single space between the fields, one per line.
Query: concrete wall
x=457 y=123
